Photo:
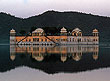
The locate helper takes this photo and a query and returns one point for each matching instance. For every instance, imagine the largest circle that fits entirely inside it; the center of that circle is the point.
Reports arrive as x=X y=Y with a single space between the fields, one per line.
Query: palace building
x=39 y=37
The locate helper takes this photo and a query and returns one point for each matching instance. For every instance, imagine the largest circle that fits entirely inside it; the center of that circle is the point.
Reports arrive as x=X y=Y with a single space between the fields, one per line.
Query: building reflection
x=63 y=57
x=74 y=52
x=38 y=56
x=76 y=56
x=12 y=52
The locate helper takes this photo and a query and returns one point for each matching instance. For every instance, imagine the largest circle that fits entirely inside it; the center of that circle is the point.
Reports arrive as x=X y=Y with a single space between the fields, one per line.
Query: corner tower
x=63 y=32
x=12 y=37
x=95 y=36
x=95 y=32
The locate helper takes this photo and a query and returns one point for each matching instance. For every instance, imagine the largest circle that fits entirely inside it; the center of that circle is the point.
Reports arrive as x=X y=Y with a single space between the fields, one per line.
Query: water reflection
x=54 y=59
x=74 y=52
x=67 y=63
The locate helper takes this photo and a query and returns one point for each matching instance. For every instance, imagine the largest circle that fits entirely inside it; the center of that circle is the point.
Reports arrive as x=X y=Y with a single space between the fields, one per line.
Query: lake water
x=55 y=63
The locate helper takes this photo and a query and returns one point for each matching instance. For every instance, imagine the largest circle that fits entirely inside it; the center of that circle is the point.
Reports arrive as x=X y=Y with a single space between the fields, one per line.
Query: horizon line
x=66 y=11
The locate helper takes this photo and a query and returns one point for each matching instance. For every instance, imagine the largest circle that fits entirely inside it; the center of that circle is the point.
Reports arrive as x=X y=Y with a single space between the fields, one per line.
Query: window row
x=81 y=40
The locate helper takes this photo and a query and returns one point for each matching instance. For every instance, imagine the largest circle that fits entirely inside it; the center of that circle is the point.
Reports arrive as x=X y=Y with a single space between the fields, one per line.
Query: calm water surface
x=55 y=63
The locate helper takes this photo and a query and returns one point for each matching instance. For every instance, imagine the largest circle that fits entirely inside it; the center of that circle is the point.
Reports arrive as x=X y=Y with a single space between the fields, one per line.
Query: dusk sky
x=27 y=8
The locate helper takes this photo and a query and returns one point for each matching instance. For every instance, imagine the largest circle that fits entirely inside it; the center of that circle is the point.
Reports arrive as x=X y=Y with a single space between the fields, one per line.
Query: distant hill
x=70 y=20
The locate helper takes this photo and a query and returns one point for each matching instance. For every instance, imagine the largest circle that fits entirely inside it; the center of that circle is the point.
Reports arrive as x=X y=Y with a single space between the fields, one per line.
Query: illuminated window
x=35 y=39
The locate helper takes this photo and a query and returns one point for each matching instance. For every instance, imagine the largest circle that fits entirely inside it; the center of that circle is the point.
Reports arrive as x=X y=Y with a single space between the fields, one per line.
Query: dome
x=12 y=31
x=63 y=30
x=38 y=30
x=76 y=30
x=95 y=30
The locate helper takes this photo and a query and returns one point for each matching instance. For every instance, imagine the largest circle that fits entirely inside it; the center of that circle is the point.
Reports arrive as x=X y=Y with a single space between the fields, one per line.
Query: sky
x=27 y=8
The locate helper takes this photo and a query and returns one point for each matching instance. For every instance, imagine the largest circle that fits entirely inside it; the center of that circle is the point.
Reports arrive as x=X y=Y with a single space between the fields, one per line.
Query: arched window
x=29 y=40
x=41 y=40
x=70 y=39
x=84 y=39
x=93 y=39
x=45 y=40
x=78 y=34
x=79 y=40
x=74 y=34
x=73 y=39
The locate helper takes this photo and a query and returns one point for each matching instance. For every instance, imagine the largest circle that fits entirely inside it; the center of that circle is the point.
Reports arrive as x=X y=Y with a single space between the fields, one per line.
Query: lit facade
x=39 y=37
